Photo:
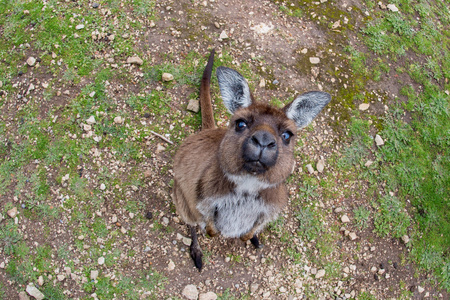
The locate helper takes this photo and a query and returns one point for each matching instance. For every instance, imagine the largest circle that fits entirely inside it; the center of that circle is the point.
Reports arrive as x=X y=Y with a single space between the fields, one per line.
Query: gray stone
x=352 y=236
x=31 y=61
x=392 y=7
x=364 y=106
x=118 y=120
x=171 y=266
x=320 y=273
x=12 y=212
x=345 y=219
x=167 y=77
x=310 y=168
x=190 y=292
x=34 y=292
x=314 y=60
x=23 y=296
x=223 y=35
x=207 y=296
x=90 y=120
x=405 y=239
x=135 y=60
x=187 y=241
x=378 y=140
x=320 y=165
x=254 y=287
x=41 y=280
x=193 y=105
x=94 y=274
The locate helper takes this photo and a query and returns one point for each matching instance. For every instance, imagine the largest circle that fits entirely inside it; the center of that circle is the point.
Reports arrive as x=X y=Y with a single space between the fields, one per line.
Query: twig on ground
x=162 y=137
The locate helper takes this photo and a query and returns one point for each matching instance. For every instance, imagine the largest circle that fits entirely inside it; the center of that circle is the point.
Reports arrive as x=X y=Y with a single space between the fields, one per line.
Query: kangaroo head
x=260 y=139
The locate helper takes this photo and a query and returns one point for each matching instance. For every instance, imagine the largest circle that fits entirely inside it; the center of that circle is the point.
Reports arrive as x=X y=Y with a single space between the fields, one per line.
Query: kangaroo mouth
x=255 y=167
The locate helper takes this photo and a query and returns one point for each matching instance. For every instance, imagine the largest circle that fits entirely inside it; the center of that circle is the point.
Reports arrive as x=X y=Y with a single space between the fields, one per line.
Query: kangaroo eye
x=286 y=136
x=241 y=125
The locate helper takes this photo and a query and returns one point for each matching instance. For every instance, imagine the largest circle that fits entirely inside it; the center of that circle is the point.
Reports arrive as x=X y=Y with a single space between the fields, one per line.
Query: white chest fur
x=236 y=213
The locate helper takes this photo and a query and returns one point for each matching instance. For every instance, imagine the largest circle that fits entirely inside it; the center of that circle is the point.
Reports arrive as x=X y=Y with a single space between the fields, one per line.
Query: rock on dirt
x=34 y=292
x=190 y=292
x=193 y=105
x=118 y=120
x=310 y=169
x=94 y=274
x=23 y=296
x=135 y=60
x=352 y=236
x=314 y=60
x=392 y=7
x=171 y=266
x=320 y=273
x=320 y=165
x=378 y=140
x=223 y=35
x=167 y=77
x=207 y=296
x=345 y=219
x=405 y=239
x=364 y=106
x=31 y=61
x=91 y=120
x=12 y=212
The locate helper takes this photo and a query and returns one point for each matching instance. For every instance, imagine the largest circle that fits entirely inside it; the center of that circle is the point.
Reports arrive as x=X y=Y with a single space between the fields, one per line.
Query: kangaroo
x=230 y=181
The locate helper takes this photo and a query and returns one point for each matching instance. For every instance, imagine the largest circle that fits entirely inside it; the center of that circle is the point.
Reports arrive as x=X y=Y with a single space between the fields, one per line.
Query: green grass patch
x=414 y=162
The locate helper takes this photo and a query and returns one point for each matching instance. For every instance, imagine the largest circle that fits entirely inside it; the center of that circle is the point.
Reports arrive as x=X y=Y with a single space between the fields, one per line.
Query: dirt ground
x=278 y=47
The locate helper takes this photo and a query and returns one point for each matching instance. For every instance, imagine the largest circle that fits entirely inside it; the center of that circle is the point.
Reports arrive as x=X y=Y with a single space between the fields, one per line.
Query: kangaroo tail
x=205 y=95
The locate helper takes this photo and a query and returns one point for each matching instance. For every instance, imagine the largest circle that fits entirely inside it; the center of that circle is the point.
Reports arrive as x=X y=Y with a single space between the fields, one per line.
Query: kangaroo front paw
x=196 y=254
x=255 y=242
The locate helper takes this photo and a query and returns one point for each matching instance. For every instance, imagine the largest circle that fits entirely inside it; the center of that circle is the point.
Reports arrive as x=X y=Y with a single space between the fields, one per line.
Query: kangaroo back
x=205 y=95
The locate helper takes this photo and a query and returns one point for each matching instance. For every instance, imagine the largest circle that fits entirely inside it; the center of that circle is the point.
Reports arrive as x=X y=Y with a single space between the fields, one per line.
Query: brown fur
x=224 y=172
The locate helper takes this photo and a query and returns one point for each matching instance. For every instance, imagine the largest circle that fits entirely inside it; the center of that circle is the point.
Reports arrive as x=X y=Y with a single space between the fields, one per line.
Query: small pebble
x=364 y=106
x=167 y=77
x=31 y=61
x=94 y=274
x=345 y=219
x=378 y=140
x=310 y=169
x=314 y=60
x=320 y=273
x=190 y=292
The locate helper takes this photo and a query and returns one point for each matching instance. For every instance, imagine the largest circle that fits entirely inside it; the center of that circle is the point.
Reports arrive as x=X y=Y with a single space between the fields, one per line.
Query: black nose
x=260 y=151
x=264 y=139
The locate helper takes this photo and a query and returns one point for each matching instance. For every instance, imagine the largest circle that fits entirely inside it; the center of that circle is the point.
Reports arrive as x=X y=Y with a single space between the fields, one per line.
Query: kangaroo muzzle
x=260 y=152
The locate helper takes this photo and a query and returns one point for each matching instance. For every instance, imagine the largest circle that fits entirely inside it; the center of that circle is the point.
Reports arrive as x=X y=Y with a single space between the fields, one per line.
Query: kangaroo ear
x=306 y=107
x=234 y=89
